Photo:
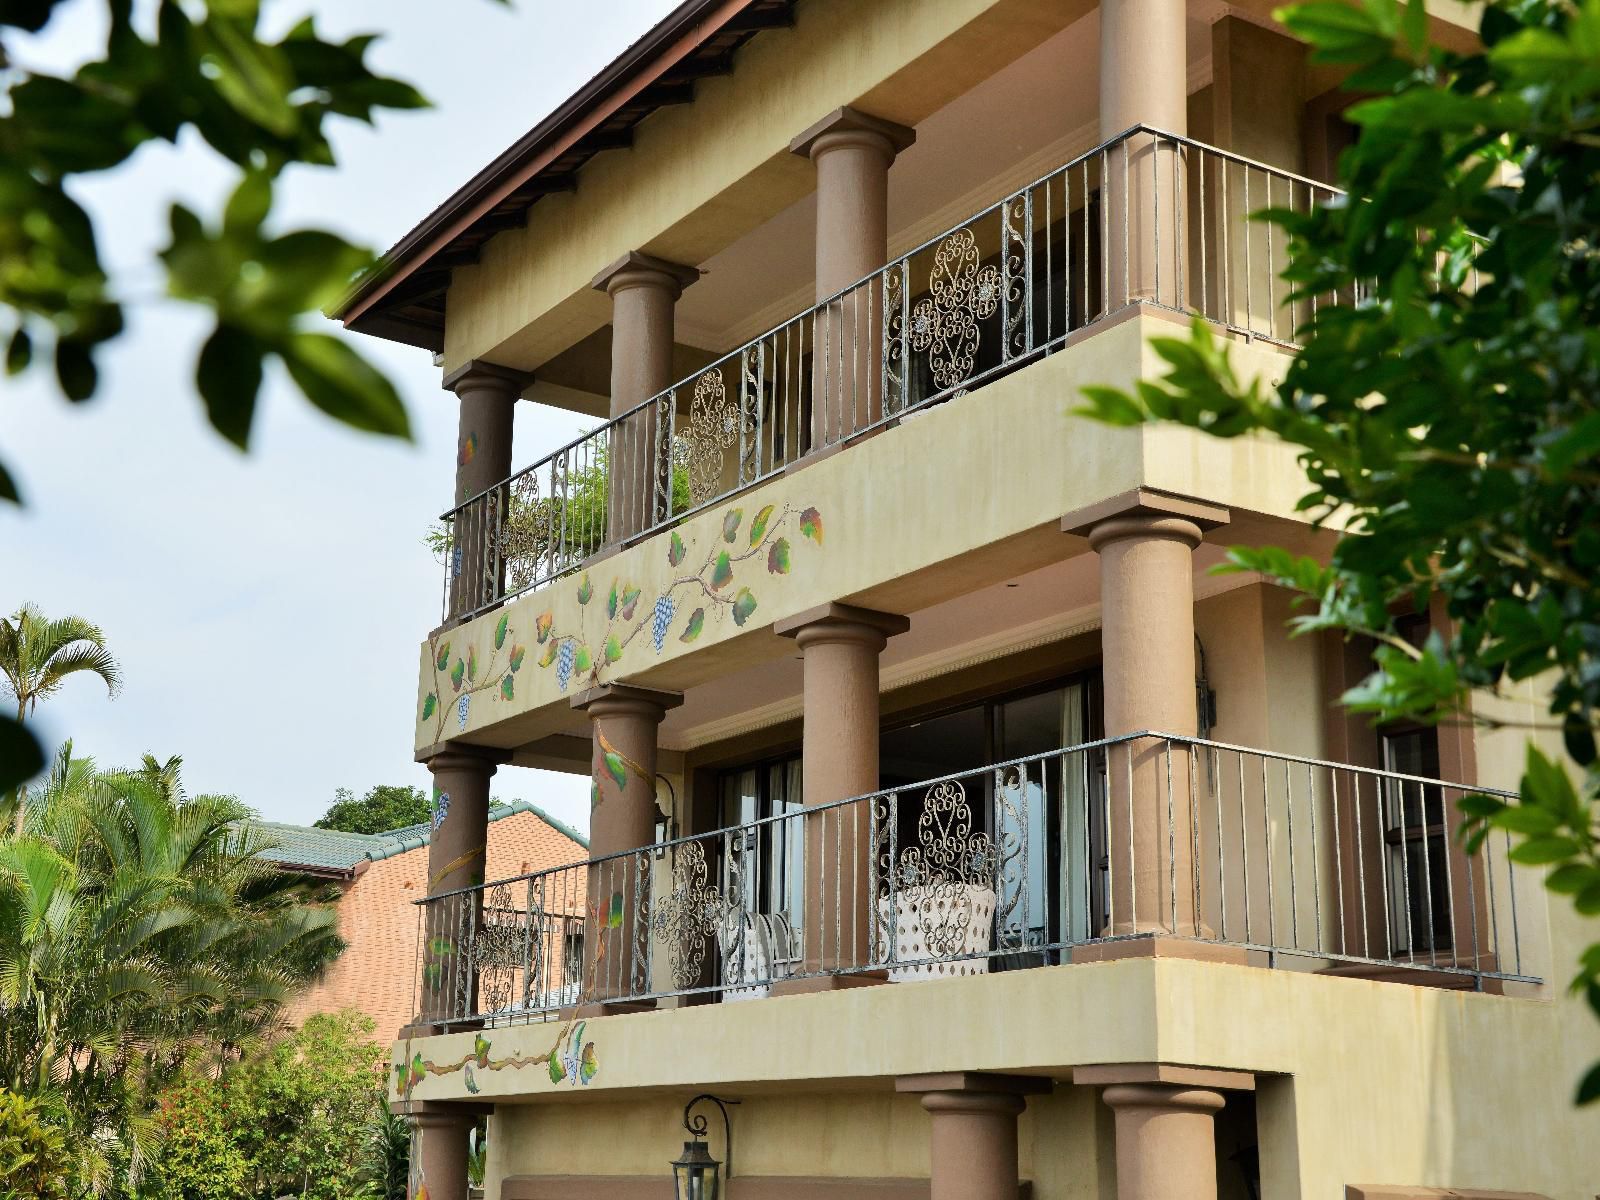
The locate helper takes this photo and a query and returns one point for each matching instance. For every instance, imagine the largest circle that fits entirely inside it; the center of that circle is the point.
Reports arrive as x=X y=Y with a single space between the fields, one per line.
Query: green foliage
x=258 y=104
x=34 y=1163
x=139 y=927
x=385 y=807
x=386 y=1154
x=1449 y=419
x=293 y=1117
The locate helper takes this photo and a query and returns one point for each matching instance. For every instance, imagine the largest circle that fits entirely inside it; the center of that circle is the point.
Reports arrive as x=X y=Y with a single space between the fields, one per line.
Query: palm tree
x=139 y=927
x=38 y=655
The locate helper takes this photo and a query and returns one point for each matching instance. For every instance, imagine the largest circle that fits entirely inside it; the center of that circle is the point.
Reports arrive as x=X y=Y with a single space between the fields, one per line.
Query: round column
x=488 y=395
x=456 y=848
x=973 y=1144
x=1166 y=1141
x=1148 y=666
x=625 y=721
x=840 y=646
x=644 y=292
x=852 y=153
x=1143 y=81
x=438 y=1156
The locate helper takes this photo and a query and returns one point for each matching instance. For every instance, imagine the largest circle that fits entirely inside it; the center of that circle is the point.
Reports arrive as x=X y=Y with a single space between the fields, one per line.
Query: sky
x=267 y=608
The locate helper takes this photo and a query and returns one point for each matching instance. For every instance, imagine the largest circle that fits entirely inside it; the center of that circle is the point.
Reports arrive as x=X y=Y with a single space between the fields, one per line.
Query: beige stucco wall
x=965 y=494
x=717 y=168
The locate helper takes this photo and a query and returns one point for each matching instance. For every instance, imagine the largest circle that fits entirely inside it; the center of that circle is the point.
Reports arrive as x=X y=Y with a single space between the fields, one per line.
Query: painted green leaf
x=722 y=572
x=588 y=1066
x=472 y=663
x=758 y=527
x=557 y=1071
x=583 y=662
x=778 y=557
x=430 y=705
x=541 y=625
x=613 y=649
x=594 y=792
x=614 y=917
x=441 y=947
x=457 y=673
x=480 y=1048
x=500 y=630
x=615 y=768
x=518 y=653
x=743 y=605
x=730 y=523
x=400 y=1072
x=675 y=550
x=697 y=622
x=630 y=599
x=549 y=655
x=585 y=591
x=419 y=1068
x=443 y=660
x=508 y=687
x=811 y=525
x=611 y=600
x=433 y=975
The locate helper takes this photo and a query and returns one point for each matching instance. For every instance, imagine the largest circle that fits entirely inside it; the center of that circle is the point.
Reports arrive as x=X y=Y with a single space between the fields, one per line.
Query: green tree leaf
x=344 y=385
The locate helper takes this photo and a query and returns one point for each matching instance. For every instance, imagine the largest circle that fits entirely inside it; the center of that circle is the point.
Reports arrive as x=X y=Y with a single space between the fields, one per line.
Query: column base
x=828 y=983
x=1161 y=946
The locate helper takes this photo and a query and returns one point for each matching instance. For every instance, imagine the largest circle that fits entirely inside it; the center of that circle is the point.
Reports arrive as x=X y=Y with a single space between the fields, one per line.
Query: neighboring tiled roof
x=333 y=852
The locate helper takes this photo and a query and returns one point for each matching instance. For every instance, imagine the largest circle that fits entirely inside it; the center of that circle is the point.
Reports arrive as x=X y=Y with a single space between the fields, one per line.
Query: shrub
x=34 y=1164
x=292 y=1118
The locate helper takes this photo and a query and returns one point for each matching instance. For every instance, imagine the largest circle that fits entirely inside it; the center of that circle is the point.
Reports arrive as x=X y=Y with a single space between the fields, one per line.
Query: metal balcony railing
x=1147 y=218
x=1294 y=861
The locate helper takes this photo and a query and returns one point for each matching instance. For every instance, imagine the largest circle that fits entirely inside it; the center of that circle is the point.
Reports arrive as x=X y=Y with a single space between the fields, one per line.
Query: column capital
x=612 y=699
x=1168 y=1096
x=851 y=127
x=841 y=623
x=1217 y=1079
x=476 y=374
x=975 y=1083
x=1144 y=504
x=638 y=269
x=459 y=756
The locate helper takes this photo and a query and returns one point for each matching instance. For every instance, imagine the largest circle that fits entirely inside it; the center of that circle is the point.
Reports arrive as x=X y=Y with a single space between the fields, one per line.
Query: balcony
x=1095 y=851
x=1146 y=221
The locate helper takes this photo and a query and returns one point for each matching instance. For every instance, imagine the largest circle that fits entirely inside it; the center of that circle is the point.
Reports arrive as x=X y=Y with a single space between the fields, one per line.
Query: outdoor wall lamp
x=695 y=1174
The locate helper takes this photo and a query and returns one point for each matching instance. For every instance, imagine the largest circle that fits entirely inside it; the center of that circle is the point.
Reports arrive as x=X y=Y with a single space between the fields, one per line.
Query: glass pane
x=1406 y=804
x=1024 y=812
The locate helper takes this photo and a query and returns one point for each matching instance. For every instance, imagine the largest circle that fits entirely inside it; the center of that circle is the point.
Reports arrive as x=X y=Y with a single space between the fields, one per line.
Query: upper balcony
x=1147 y=222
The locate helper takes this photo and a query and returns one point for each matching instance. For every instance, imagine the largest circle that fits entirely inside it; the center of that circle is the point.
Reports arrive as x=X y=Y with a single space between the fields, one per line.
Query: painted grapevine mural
x=569 y=1060
x=711 y=584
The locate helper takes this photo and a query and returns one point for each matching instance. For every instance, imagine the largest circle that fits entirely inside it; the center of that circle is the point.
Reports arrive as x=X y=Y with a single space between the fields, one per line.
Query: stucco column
x=840 y=645
x=488 y=396
x=973 y=1134
x=1143 y=81
x=1166 y=1141
x=643 y=290
x=1146 y=544
x=625 y=721
x=438 y=1168
x=456 y=849
x=852 y=152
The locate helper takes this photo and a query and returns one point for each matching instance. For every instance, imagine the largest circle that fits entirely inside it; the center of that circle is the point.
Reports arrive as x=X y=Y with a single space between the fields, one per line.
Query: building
x=949 y=814
x=379 y=876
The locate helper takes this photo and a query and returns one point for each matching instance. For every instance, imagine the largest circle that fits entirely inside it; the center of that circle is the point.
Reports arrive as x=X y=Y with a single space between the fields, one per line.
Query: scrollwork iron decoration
x=1016 y=218
x=944 y=323
x=496 y=950
x=713 y=426
x=688 y=917
x=894 y=390
x=749 y=406
x=947 y=861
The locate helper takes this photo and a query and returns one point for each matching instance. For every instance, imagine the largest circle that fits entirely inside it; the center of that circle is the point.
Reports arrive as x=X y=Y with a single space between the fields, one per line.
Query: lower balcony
x=1147 y=844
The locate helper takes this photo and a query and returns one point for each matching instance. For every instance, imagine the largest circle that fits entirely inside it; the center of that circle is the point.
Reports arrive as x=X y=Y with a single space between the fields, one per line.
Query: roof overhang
x=402 y=298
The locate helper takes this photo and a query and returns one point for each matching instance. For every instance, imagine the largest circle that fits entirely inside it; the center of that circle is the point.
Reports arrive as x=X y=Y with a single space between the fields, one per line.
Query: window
x=773 y=855
x=1416 y=844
